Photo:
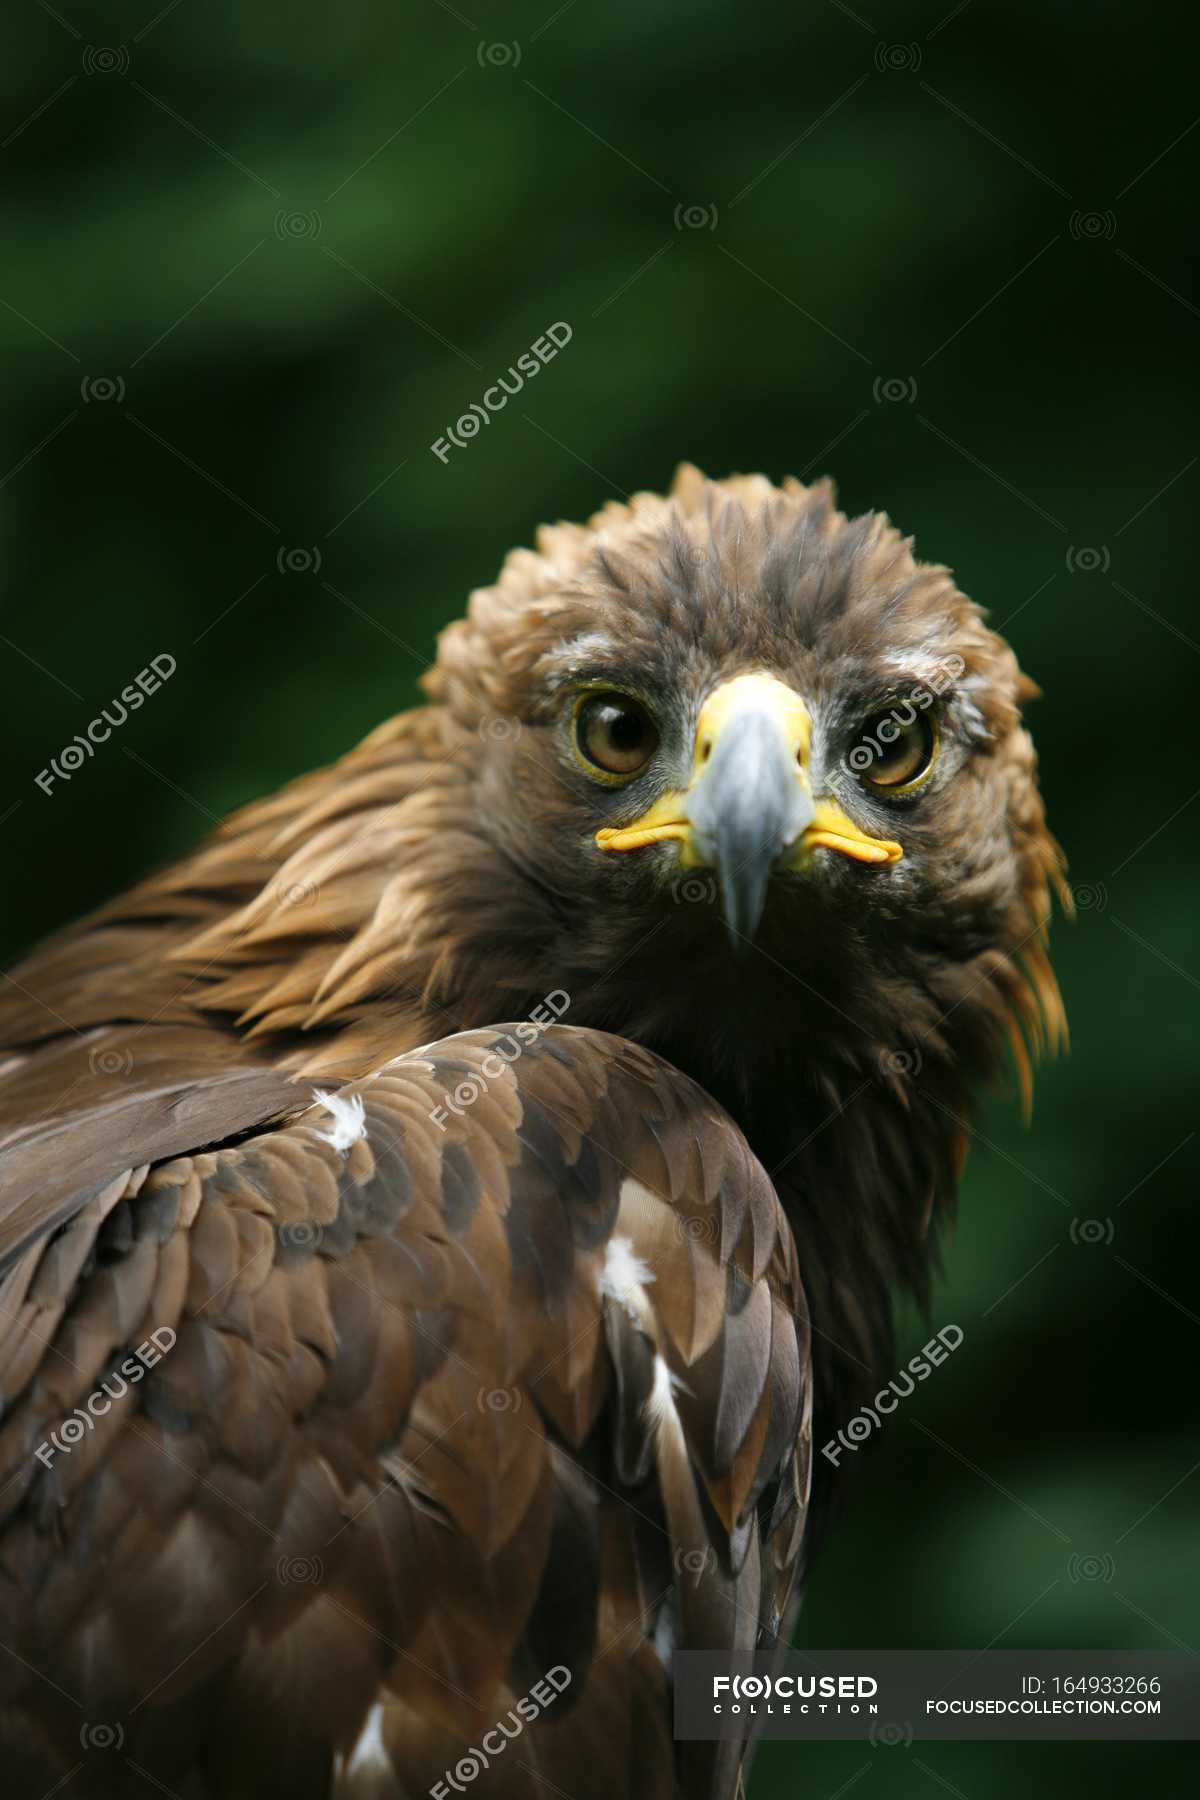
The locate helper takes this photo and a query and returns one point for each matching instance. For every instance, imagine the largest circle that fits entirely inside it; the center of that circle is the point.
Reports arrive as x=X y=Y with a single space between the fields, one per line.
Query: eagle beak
x=749 y=809
x=750 y=799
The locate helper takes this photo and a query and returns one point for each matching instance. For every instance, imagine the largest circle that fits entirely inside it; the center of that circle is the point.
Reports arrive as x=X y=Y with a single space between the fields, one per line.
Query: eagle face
x=767 y=740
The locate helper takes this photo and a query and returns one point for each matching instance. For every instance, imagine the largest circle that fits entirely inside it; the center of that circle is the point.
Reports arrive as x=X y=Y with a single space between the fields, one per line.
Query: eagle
x=442 y=1217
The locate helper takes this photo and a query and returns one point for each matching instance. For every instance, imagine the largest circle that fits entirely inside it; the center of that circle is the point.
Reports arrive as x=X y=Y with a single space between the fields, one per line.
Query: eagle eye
x=614 y=733
x=894 y=750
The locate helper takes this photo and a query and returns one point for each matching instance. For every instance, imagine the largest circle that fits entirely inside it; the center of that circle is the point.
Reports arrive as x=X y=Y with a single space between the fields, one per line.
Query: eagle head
x=767 y=775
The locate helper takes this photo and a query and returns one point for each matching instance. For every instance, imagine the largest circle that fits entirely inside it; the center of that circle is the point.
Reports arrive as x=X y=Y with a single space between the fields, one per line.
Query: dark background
x=258 y=259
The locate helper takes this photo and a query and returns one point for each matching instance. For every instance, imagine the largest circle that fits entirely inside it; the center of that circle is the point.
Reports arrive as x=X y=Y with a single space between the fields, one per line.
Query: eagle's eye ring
x=894 y=750
x=612 y=734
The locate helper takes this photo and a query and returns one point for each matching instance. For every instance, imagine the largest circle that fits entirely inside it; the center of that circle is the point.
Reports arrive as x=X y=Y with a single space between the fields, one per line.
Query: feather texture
x=341 y=1486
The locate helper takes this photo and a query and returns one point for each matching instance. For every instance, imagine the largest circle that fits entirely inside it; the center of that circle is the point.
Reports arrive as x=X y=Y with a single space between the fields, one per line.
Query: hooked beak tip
x=750 y=806
x=743 y=898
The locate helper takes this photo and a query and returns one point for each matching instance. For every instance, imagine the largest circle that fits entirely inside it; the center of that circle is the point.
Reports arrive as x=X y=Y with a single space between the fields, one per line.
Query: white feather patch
x=921 y=665
x=590 y=650
x=349 y=1119
x=625 y=1277
x=369 y=1755
x=660 y=1405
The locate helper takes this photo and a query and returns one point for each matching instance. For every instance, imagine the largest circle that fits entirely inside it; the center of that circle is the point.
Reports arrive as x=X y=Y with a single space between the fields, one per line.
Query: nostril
x=706 y=750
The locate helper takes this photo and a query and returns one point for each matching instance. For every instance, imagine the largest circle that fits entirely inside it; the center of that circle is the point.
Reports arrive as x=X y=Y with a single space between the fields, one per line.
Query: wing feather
x=490 y=1363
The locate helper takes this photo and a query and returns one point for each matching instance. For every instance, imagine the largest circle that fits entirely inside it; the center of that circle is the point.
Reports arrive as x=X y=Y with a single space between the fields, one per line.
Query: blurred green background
x=258 y=261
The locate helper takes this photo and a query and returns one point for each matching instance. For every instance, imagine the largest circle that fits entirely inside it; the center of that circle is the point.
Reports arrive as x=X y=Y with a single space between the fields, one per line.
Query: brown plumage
x=496 y=1359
